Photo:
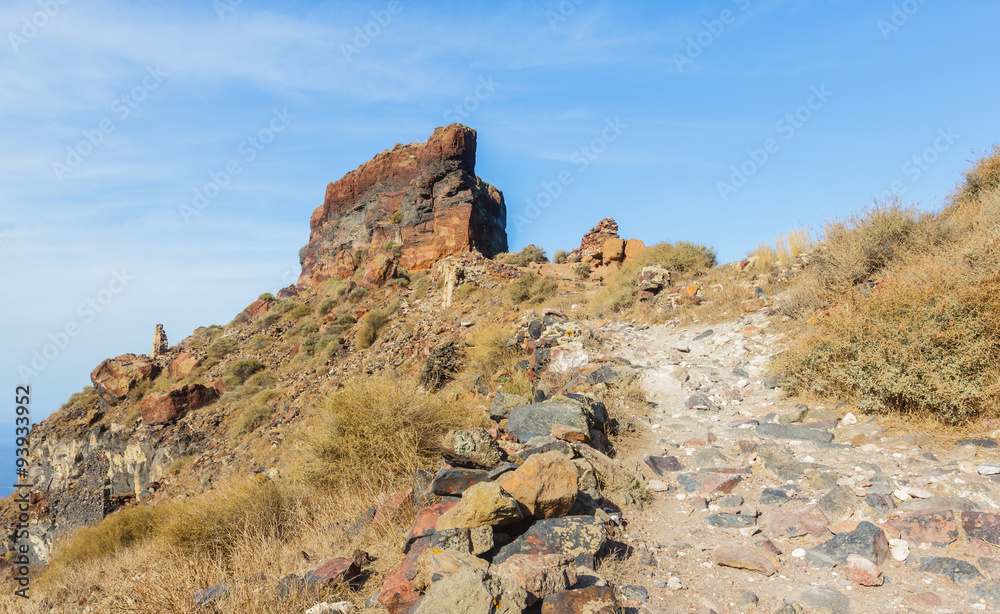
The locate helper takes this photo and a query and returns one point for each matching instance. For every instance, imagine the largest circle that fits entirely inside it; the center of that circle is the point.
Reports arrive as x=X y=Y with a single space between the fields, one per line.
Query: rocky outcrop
x=175 y=404
x=423 y=196
x=115 y=377
x=160 y=344
x=602 y=246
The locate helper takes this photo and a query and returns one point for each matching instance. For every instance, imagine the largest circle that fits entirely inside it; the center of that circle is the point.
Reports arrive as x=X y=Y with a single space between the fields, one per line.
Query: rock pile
x=603 y=247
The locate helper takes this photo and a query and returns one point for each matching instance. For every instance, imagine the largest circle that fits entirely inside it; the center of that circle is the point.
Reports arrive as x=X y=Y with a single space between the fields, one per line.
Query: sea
x=8 y=470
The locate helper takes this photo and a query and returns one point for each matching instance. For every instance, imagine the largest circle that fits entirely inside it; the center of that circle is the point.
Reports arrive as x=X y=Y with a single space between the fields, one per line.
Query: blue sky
x=115 y=113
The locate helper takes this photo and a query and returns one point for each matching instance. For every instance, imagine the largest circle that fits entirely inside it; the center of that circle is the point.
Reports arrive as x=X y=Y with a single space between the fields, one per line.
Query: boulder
x=504 y=402
x=537 y=419
x=452 y=482
x=750 y=559
x=936 y=527
x=471 y=591
x=795 y=521
x=173 y=405
x=633 y=247
x=116 y=377
x=540 y=575
x=436 y=565
x=589 y=600
x=425 y=196
x=426 y=522
x=546 y=485
x=867 y=540
x=577 y=537
x=652 y=280
x=473 y=448
x=484 y=504
x=183 y=364
x=592 y=246
x=613 y=250
x=380 y=269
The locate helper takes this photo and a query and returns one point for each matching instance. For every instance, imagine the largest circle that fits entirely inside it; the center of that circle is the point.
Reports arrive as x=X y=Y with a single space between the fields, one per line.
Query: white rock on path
x=989 y=469
x=899 y=548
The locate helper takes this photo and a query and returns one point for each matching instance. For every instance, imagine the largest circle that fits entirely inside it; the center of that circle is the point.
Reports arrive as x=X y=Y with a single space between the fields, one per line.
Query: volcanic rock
x=424 y=196
x=115 y=377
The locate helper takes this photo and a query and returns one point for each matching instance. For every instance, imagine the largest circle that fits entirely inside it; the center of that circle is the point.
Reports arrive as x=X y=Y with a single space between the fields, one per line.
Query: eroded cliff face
x=424 y=196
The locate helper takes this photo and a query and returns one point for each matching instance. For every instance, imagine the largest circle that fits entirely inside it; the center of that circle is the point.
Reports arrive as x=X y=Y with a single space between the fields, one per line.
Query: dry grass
x=371 y=325
x=767 y=257
x=379 y=428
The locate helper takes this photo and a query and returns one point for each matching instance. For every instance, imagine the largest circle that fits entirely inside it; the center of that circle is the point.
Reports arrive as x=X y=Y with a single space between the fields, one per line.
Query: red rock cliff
x=425 y=196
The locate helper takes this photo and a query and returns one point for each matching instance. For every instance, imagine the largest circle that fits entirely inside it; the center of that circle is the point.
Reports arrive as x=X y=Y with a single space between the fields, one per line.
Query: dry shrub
x=980 y=180
x=371 y=325
x=923 y=343
x=783 y=252
x=378 y=428
x=490 y=361
x=533 y=289
x=678 y=258
x=117 y=532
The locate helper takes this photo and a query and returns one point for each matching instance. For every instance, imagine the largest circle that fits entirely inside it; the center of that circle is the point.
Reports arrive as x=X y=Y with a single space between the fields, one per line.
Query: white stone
x=899 y=548
x=989 y=468
x=798 y=553
x=849 y=419
x=901 y=494
x=674 y=583
x=341 y=607
x=917 y=493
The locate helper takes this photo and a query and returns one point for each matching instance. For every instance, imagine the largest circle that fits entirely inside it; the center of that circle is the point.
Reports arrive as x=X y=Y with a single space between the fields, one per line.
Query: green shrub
x=314 y=344
x=559 y=257
x=529 y=255
x=85 y=397
x=267 y=296
x=391 y=247
x=221 y=347
x=396 y=217
x=582 y=270
x=241 y=370
x=299 y=312
x=357 y=294
x=359 y=256
x=531 y=288
x=255 y=414
x=327 y=306
x=268 y=320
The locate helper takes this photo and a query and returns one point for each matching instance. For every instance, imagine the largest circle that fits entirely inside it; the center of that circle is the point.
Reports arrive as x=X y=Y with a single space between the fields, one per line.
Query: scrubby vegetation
x=533 y=289
x=531 y=254
x=911 y=314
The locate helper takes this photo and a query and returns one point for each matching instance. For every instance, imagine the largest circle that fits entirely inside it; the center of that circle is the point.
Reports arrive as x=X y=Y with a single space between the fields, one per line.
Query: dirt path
x=746 y=472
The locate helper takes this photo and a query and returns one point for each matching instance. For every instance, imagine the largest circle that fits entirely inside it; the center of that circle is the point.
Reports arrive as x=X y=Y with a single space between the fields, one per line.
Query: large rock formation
x=603 y=246
x=425 y=196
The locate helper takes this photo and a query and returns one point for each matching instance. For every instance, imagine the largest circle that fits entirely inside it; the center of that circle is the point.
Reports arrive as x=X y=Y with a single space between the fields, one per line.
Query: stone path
x=759 y=505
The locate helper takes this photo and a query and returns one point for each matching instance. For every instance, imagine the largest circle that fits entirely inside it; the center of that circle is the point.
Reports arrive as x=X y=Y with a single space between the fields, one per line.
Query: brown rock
x=862 y=571
x=175 y=404
x=115 y=377
x=934 y=527
x=592 y=246
x=750 y=559
x=755 y=304
x=445 y=209
x=795 y=521
x=335 y=571
x=160 y=344
x=613 y=250
x=590 y=600
x=393 y=506
x=633 y=247
x=257 y=308
x=435 y=565
x=546 y=485
x=569 y=433
x=540 y=575
x=485 y=503
x=183 y=364
x=380 y=270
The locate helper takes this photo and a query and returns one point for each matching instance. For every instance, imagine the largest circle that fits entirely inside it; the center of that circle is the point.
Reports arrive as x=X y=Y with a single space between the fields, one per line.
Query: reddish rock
x=755 y=304
x=633 y=247
x=393 y=506
x=590 y=600
x=445 y=209
x=934 y=527
x=577 y=537
x=335 y=571
x=929 y=600
x=183 y=364
x=175 y=404
x=380 y=270
x=652 y=280
x=750 y=559
x=540 y=575
x=455 y=481
x=862 y=571
x=115 y=377
x=569 y=433
x=794 y=521
x=709 y=481
x=983 y=526
x=397 y=593
x=613 y=250
x=426 y=521
x=257 y=308
x=288 y=292
x=592 y=246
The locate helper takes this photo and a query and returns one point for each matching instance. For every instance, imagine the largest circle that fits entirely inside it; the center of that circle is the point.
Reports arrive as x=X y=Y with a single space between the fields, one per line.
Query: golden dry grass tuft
x=767 y=257
x=378 y=428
